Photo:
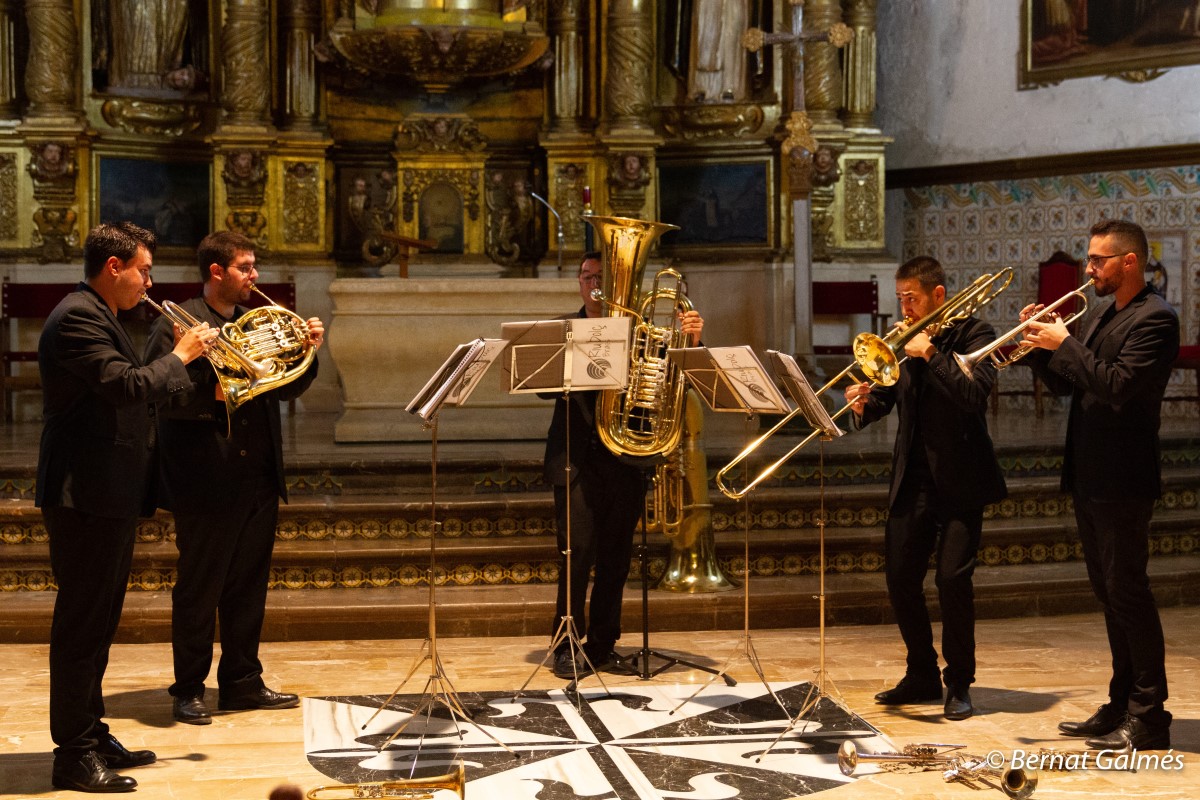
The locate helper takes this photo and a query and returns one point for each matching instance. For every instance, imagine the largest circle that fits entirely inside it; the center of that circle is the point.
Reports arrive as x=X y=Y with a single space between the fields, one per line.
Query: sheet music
x=730 y=379
x=576 y=353
x=453 y=382
x=802 y=393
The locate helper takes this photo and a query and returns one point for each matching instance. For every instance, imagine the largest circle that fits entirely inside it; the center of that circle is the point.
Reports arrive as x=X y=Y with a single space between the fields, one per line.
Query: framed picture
x=1164 y=268
x=170 y=198
x=715 y=203
x=1131 y=39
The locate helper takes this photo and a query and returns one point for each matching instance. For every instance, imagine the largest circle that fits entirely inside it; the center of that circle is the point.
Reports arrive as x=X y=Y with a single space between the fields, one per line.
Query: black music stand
x=732 y=379
x=789 y=373
x=576 y=354
x=450 y=386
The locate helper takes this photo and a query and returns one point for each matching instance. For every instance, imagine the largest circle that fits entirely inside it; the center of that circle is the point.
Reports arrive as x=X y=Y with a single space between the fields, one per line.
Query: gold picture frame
x=1063 y=39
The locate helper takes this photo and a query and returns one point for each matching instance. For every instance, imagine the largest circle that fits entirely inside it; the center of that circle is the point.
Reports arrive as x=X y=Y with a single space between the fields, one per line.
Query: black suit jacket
x=951 y=410
x=1117 y=383
x=97 y=439
x=200 y=464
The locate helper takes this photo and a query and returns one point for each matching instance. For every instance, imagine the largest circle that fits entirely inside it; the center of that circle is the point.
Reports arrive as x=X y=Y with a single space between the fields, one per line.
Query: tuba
x=264 y=349
x=411 y=788
x=646 y=417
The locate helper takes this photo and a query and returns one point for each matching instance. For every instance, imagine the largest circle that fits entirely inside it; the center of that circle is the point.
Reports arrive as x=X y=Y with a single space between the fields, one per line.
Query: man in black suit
x=222 y=480
x=944 y=472
x=607 y=499
x=94 y=466
x=1116 y=374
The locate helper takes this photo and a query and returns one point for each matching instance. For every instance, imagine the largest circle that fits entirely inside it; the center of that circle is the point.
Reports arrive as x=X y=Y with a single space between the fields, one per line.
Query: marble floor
x=1033 y=672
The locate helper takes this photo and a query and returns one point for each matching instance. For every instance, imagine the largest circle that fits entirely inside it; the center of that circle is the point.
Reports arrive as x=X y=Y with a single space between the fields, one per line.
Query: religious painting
x=1131 y=39
x=169 y=198
x=440 y=217
x=715 y=203
x=1164 y=268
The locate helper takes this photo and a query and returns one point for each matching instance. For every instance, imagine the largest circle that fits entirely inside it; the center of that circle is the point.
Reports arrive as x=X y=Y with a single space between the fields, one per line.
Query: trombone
x=879 y=361
x=967 y=361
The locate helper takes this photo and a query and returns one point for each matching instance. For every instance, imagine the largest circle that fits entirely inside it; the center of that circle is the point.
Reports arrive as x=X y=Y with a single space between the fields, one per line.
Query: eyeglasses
x=1095 y=261
x=597 y=278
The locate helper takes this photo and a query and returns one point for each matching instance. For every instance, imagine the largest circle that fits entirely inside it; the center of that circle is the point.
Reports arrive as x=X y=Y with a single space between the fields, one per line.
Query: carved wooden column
x=628 y=87
x=244 y=45
x=8 y=65
x=53 y=65
x=822 y=66
x=568 y=27
x=301 y=27
x=860 y=64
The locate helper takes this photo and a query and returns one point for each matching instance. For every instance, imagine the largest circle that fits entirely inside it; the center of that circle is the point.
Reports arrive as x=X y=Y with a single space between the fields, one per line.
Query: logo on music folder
x=597 y=368
x=757 y=391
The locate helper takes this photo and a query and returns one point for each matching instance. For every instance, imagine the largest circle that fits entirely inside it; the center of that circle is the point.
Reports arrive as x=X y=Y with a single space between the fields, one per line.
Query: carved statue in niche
x=52 y=163
x=717 y=62
x=372 y=217
x=511 y=231
x=150 y=47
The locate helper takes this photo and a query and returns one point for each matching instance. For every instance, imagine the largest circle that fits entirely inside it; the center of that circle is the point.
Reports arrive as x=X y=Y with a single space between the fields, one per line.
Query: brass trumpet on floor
x=412 y=788
x=967 y=361
x=1016 y=783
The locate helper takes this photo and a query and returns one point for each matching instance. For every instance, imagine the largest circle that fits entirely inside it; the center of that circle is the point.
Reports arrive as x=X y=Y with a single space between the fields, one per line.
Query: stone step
x=789 y=601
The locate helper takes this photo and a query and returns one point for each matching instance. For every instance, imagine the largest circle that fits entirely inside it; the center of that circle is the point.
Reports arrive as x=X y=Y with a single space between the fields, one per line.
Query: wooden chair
x=845 y=298
x=23 y=305
x=1057 y=276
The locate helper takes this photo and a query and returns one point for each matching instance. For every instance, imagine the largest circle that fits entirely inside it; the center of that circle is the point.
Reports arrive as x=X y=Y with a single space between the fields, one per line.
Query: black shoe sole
x=256 y=707
x=194 y=720
x=72 y=786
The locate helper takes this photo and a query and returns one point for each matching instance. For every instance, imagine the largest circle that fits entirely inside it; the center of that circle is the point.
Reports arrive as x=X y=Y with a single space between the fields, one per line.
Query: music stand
x=567 y=355
x=450 y=386
x=733 y=380
x=789 y=373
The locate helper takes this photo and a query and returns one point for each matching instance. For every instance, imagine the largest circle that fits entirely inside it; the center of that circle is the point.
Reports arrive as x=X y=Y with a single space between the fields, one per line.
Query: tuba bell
x=646 y=417
x=264 y=349
x=411 y=788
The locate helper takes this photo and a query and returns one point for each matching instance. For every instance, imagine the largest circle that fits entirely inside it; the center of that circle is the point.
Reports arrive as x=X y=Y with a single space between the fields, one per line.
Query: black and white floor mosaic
x=624 y=746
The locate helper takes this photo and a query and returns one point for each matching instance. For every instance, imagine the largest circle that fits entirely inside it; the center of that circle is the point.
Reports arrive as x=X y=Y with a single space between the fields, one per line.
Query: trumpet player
x=92 y=485
x=944 y=472
x=1116 y=373
x=223 y=483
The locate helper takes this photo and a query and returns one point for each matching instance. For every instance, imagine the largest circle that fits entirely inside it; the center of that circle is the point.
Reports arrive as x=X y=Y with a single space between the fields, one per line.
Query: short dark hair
x=108 y=239
x=590 y=255
x=221 y=248
x=1130 y=234
x=926 y=270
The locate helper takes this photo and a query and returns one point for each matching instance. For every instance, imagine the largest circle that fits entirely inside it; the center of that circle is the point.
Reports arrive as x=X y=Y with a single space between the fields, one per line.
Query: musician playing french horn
x=222 y=475
x=607 y=499
x=944 y=472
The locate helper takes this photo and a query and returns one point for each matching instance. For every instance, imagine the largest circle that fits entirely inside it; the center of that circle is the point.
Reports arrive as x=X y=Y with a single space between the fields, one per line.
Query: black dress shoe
x=115 y=756
x=89 y=774
x=1106 y=720
x=958 y=702
x=191 y=710
x=260 y=698
x=911 y=690
x=1133 y=734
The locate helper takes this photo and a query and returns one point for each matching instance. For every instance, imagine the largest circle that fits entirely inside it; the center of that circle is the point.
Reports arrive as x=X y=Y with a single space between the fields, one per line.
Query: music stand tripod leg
x=566 y=627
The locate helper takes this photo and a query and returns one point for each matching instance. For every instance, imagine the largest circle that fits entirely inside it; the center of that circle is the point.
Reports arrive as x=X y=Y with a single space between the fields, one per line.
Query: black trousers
x=90 y=557
x=606 y=504
x=919 y=525
x=223 y=569
x=1115 y=537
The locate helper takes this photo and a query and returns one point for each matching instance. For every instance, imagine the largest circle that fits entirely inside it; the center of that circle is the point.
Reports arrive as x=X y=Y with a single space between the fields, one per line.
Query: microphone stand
x=561 y=236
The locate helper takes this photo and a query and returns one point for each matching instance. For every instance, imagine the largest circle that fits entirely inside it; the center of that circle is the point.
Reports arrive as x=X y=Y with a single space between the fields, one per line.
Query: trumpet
x=967 y=361
x=1016 y=783
x=413 y=788
x=879 y=360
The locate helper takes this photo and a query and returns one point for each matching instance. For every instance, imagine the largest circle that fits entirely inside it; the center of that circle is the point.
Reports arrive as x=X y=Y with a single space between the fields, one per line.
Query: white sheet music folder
x=730 y=379
x=788 y=371
x=577 y=353
x=452 y=383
